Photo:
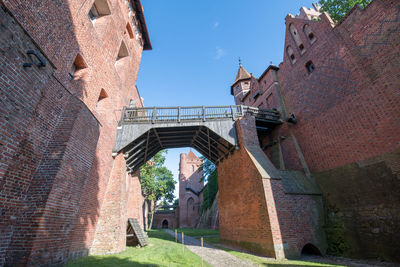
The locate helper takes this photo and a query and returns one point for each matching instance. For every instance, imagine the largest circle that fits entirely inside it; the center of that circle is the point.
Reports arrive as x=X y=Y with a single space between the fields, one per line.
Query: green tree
x=157 y=182
x=210 y=175
x=337 y=9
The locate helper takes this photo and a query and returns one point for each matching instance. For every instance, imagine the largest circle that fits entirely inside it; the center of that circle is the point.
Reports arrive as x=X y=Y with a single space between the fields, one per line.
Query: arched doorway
x=165 y=224
x=310 y=249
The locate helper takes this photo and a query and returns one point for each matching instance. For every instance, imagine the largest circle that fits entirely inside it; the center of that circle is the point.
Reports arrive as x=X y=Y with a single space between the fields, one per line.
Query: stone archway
x=165 y=224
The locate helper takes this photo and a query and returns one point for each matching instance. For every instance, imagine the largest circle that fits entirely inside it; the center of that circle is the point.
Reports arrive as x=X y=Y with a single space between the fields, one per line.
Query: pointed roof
x=242 y=74
x=191 y=155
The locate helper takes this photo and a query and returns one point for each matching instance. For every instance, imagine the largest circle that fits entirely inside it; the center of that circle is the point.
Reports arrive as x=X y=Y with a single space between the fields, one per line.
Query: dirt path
x=210 y=254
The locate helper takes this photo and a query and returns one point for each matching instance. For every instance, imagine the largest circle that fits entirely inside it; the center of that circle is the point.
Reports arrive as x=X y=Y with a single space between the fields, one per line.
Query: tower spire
x=240 y=62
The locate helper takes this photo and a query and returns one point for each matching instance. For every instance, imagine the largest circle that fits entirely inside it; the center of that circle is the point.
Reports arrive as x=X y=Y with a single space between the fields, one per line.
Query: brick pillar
x=255 y=211
x=110 y=236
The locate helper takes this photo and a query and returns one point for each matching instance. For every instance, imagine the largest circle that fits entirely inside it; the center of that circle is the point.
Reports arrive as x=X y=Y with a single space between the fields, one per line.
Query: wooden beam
x=147 y=144
x=159 y=140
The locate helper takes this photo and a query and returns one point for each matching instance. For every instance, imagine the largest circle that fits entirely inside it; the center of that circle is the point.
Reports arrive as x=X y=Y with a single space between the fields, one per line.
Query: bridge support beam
x=256 y=212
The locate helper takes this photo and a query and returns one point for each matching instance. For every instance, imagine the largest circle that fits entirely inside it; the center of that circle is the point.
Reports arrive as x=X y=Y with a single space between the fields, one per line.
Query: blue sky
x=196 y=46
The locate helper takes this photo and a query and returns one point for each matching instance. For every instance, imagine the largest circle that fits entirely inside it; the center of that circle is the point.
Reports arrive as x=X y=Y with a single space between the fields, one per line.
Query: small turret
x=241 y=85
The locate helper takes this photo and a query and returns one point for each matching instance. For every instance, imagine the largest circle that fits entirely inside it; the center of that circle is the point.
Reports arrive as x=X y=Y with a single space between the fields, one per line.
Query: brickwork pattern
x=56 y=165
x=255 y=211
x=189 y=202
x=347 y=110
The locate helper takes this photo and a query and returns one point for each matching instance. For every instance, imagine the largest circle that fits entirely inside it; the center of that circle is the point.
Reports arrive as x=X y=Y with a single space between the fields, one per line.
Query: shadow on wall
x=49 y=153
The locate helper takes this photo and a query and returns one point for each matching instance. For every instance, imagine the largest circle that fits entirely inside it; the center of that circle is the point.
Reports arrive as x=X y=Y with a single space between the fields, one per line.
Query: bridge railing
x=199 y=113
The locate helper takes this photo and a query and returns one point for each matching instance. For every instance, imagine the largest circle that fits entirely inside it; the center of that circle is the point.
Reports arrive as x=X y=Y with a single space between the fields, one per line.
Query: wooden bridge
x=142 y=132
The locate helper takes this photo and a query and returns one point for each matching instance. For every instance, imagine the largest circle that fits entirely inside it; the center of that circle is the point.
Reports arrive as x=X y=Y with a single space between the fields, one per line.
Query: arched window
x=296 y=38
x=290 y=54
x=192 y=168
x=309 y=33
x=310 y=66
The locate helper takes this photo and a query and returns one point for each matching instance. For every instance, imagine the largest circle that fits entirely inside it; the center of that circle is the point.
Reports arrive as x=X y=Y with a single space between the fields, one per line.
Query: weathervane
x=240 y=62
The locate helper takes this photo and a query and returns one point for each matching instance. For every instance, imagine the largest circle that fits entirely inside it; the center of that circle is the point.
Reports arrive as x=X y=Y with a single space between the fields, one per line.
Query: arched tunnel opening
x=310 y=250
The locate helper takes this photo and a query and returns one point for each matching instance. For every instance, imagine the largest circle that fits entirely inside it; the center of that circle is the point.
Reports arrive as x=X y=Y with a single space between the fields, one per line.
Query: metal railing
x=190 y=114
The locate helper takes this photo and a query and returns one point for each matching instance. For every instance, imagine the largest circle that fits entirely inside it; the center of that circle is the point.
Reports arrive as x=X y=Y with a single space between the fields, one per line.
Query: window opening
x=123 y=51
x=290 y=53
x=129 y=30
x=308 y=32
x=99 y=9
x=310 y=66
x=296 y=38
x=77 y=67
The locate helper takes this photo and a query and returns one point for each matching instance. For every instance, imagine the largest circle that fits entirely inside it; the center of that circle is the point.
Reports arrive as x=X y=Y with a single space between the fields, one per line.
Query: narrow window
x=77 y=68
x=296 y=38
x=129 y=30
x=99 y=9
x=309 y=33
x=310 y=66
x=290 y=54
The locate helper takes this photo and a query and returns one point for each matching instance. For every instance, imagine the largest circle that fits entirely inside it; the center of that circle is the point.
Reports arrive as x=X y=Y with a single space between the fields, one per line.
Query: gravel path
x=210 y=254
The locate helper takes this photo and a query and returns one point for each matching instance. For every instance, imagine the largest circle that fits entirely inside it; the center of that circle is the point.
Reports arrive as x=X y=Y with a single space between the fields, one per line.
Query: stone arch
x=296 y=38
x=309 y=33
x=310 y=249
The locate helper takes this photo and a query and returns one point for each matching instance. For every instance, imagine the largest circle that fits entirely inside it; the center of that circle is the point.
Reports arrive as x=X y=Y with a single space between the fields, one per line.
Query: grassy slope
x=161 y=251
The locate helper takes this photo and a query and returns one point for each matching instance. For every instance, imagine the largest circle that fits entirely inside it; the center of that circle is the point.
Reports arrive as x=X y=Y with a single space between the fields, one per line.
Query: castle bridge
x=248 y=181
x=142 y=132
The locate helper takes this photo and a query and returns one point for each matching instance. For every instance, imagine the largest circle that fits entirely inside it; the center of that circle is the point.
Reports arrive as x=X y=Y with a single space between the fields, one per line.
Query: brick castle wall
x=347 y=135
x=256 y=211
x=58 y=131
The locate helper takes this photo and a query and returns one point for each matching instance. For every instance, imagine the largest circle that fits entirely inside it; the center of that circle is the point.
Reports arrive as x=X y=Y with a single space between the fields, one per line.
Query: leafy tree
x=210 y=175
x=157 y=182
x=337 y=9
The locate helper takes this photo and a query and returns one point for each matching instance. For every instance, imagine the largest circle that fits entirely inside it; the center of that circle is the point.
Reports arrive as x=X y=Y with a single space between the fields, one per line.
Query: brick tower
x=189 y=189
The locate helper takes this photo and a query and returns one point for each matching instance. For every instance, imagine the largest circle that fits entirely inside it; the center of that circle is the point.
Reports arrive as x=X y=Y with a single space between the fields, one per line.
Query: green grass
x=197 y=232
x=161 y=251
x=265 y=262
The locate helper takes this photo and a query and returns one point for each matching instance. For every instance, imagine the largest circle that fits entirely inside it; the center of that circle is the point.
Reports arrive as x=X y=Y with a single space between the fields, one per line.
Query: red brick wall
x=57 y=139
x=256 y=213
x=346 y=107
x=189 y=214
x=347 y=134
x=172 y=218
